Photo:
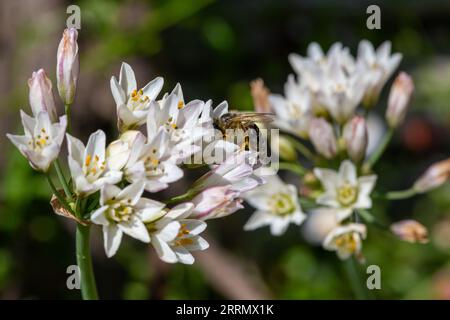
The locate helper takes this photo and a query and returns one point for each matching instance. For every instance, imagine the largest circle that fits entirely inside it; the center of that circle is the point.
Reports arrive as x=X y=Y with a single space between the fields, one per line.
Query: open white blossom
x=346 y=240
x=277 y=206
x=175 y=235
x=181 y=121
x=132 y=103
x=152 y=162
x=378 y=66
x=344 y=189
x=124 y=211
x=293 y=111
x=42 y=139
x=88 y=166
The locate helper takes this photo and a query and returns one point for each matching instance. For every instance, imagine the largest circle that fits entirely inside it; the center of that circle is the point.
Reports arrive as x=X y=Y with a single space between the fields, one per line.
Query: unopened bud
x=355 y=137
x=410 y=230
x=435 y=176
x=41 y=95
x=399 y=98
x=322 y=137
x=67 y=67
x=260 y=95
x=286 y=149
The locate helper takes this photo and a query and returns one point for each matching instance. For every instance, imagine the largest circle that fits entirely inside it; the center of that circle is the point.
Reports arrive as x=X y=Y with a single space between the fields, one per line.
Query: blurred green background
x=214 y=48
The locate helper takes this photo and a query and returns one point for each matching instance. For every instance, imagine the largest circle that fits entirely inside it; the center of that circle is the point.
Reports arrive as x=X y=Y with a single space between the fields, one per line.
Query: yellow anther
x=180 y=104
x=88 y=160
x=96 y=158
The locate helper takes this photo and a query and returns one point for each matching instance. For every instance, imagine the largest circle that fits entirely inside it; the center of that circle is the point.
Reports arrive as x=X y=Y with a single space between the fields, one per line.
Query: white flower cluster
x=113 y=178
x=326 y=105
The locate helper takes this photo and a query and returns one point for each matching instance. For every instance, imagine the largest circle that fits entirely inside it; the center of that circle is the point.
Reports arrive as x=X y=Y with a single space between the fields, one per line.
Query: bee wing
x=253 y=117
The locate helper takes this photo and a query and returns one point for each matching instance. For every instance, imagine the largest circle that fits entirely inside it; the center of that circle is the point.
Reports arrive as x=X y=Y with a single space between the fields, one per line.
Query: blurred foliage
x=214 y=48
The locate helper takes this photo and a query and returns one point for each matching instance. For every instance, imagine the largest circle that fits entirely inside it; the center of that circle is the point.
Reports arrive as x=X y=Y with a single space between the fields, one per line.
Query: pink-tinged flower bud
x=41 y=95
x=216 y=202
x=410 y=230
x=435 y=176
x=399 y=97
x=322 y=137
x=355 y=137
x=67 y=67
x=260 y=96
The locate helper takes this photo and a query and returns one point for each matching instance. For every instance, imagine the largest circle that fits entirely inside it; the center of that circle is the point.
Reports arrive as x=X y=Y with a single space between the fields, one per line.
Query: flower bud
x=216 y=202
x=410 y=230
x=67 y=67
x=260 y=95
x=435 y=176
x=355 y=137
x=399 y=97
x=41 y=95
x=319 y=223
x=287 y=150
x=322 y=137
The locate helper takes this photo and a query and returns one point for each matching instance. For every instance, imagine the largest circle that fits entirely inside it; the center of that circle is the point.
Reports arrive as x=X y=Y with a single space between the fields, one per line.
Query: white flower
x=181 y=121
x=344 y=189
x=174 y=236
x=293 y=111
x=41 y=95
x=216 y=202
x=118 y=152
x=435 y=176
x=124 y=211
x=67 y=67
x=88 y=166
x=133 y=104
x=237 y=170
x=277 y=206
x=378 y=66
x=346 y=240
x=42 y=139
x=320 y=222
x=152 y=162
x=341 y=92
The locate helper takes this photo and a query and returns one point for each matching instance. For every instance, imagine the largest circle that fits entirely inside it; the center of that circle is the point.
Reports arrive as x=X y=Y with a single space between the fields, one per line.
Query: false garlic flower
x=320 y=222
x=181 y=122
x=293 y=111
x=356 y=138
x=435 y=176
x=87 y=164
x=410 y=231
x=237 y=170
x=276 y=206
x=175 y=235
x=342 y=92
x=216 y=202
x=118 y=152
x=346 y=240
x=124 y=211
x=67 y=65
x=399 y=97
x=378 y=66
x=133 y=104
x=322 y=137
x=42 y=140
x=152 y=162
x=41 y=95
x=344 y=189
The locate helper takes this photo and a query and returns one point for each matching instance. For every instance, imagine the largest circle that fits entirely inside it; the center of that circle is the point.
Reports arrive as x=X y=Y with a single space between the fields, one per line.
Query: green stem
x=402 y=194
x=67 y=110
x=380 y=149
x=184 y=197
x=301 y=148
x=62 y=180
x=292 y=167
x=355 y=280
x=84 y=261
